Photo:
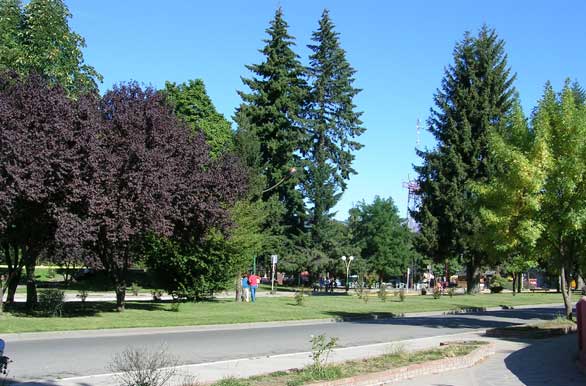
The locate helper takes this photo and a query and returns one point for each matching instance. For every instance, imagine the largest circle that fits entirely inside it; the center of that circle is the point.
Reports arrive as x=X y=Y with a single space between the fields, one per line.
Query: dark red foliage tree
x=152 y=177
x=45 y=145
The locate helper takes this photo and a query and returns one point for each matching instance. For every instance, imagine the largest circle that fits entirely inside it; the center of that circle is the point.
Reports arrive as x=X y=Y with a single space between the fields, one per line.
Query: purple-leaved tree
x=45 y=143
x=151 y=176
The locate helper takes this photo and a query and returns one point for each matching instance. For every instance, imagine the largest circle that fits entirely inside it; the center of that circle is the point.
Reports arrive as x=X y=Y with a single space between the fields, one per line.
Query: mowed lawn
x=149 y=314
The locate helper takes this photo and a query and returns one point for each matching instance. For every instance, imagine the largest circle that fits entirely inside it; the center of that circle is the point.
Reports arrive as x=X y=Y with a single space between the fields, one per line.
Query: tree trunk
x=514 y=283
x=519 y=282
x=239 y=288
x=472 y=278
x=120 y=297
x=31 y=284
x=566 y=293
x=12 y=284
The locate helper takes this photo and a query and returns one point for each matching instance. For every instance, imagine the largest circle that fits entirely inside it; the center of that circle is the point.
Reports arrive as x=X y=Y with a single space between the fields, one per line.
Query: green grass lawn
x=149 y=314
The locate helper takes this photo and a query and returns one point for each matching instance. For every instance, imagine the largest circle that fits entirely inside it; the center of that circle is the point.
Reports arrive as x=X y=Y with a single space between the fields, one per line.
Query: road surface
x=61 y=357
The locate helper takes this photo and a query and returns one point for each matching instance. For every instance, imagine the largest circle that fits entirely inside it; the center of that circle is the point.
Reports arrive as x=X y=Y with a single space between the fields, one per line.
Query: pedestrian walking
x=245 y=289
x=253 y=281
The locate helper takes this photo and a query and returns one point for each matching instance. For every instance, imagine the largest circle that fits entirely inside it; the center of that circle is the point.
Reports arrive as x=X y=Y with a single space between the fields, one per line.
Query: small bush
x=51 y=273
x=141 y=367
x=299 y=297
x=383 y=293
x=51 y=302
x=157 y=295
x=321 y=348
x=82 y=294
x=497 y=284
x=402 y=295
x=175 y=306
x=134 y=288
x=451 y=292
x=437 y=292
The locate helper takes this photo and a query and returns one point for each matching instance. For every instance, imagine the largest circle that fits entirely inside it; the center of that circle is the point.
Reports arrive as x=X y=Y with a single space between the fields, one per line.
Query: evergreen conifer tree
x=332 y=125
x=476 y=96
x=271 y=111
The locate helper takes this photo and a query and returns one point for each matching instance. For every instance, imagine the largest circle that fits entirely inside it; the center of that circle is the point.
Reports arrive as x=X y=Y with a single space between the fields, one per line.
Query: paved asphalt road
x=72 y=356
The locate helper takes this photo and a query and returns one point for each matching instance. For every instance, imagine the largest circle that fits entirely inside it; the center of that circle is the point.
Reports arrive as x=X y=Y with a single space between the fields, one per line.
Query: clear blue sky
x=399 y=49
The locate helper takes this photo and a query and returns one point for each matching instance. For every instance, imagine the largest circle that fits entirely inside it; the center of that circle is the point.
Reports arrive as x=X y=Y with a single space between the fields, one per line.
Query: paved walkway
x=549 y=362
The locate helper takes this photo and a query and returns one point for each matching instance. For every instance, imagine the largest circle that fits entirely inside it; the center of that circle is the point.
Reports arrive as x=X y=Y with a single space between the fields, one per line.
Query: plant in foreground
x=141 y=367
x=321 y=348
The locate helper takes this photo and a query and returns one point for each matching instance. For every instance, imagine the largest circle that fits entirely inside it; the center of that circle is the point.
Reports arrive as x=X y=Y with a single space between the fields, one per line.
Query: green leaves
x=36 y=39
x=475 y=100
x=191 y=103
x=385 y=241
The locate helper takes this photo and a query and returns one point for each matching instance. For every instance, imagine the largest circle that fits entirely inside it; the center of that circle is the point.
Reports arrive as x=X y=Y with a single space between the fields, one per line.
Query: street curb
x=415 y=370
x=74 y=334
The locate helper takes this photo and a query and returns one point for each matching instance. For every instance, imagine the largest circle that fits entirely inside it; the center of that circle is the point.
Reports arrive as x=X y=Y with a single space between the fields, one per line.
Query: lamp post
x=347 y=261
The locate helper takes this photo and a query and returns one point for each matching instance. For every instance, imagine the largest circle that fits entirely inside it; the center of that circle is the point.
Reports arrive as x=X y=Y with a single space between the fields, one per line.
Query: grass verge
x=311 y=374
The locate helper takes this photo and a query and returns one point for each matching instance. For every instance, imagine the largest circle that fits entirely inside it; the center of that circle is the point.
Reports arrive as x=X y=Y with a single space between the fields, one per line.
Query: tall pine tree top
x=272 y=111
x=475 y=99
x=332 y=122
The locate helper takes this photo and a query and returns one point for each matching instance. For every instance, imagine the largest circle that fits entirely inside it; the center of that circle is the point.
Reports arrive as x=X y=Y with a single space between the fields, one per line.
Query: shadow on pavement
x=15 y=382
x=547 y=362
x=488 y=319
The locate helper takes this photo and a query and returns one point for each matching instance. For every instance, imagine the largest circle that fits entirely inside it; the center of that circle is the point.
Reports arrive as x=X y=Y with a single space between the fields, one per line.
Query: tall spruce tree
x=474 y=100
x=272 y=113
x=332 y=124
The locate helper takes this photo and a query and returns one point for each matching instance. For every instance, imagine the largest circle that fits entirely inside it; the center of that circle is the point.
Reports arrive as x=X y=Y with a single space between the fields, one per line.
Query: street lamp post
x=347 y=261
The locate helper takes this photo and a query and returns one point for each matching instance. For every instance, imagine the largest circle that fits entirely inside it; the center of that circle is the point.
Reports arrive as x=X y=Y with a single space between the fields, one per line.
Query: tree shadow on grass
x=472 y=320
x=79 y=309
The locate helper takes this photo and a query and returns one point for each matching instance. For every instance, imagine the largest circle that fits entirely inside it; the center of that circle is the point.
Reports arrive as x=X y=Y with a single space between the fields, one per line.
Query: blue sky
x=399 y=50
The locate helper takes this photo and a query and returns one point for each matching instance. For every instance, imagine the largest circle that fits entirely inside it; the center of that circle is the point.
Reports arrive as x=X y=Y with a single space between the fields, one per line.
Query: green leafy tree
x=191 y=103
x=37 y=39
x=271 y=112
x=332 y=123
x=562 y=121
x=474 y=100
x=11 y=29
x=511 y=200
x=385 y=241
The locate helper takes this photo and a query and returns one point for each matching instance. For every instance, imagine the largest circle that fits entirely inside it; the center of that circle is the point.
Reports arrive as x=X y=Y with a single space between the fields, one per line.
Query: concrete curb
x=73 y=334
x=415 y=370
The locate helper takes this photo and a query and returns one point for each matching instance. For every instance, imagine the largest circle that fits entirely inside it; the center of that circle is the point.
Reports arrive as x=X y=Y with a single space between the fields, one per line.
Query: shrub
x=157 y=295
x=321 y=348
x=299 y=297
x=82 y=294
x=134 y=288
x=141 y=367
x=51 y=302
x=437 y=292
x=451 y=292
x=497 y=284
x=383 y=293
x=402 y=295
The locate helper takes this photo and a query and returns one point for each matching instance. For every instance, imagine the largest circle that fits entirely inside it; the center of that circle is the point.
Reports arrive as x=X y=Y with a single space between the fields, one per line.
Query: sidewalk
x=548 y=362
